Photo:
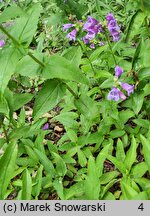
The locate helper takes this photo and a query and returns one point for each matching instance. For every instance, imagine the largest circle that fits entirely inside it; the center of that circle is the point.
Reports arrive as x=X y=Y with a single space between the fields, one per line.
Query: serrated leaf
x=61 y=68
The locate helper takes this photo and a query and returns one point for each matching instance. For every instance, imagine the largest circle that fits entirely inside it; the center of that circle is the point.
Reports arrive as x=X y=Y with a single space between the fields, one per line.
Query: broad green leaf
x=92 y=183
x=11 y=12
x=47 y=164
x=26 y=185
x=143 y=73
x=142 y=123
x=73 y=54
x=7 y=166
x=146 y=150
x=137 y=103
x=116 y=133
x=4 y=108
x=83 y=104
x=25 y=26
x=143 y=182
x=75 y=190
x=28 y=67
x=20 y=100
x=61 y=68
x=8 y=60
x=48 y=97
x=31 y=153
x=131 y=154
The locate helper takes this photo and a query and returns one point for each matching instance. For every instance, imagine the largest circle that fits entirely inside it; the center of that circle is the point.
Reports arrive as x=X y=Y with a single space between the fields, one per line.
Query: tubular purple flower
x=113 y=27
x=45 y=127
x=115 y=94
x=127 y=87
x=118 y=71
x=85 y=40
x=72 y=35
x=89 y=23
x=67 y=26
x=2 y=43
x=101 y=43
x=92 y=46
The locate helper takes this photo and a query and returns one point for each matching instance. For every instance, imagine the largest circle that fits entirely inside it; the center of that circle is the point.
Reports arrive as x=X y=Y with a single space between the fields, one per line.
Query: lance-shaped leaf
x=48 y=97
x=146 y=150
x=26 y=186
x=7 y=165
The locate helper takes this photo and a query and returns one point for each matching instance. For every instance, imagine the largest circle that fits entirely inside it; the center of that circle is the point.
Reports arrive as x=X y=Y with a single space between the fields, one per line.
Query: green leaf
x=48 y=97
x=28 y=67
x=137 y=103
x=120 y=154
x=107 y=177
x=73 y=54
x=25 y=27
x=4 y=108
x=7 y=166
x=127 y=191
x=61 y=168
x=146 y=150
x=81 y=158
x=144 y=73
x=131 y=154
x=26 y=185
x=11 y=12
x=47 y=164
x=8 y=60
x=118 y=164
x=92 y=183
x=59 y=67
x=21 y=99
x=139 y=170
x=57 y=183
x=36 y=189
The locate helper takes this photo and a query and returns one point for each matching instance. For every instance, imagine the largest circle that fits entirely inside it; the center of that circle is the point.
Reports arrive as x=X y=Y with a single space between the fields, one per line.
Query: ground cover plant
x=74 y=99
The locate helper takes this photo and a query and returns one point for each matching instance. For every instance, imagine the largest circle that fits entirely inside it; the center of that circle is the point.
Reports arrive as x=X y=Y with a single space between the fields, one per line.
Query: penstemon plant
x=74 y=100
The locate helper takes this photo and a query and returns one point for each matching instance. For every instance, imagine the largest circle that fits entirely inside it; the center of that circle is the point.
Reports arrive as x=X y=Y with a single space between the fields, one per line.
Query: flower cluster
x=113 y=27
x=2 y=43
x=92 y=27
x=115 y=93
x=72 y=35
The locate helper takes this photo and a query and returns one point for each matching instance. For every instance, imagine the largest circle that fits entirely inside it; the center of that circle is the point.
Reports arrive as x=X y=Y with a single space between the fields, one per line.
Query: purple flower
x=45 y=127
x=109 y=17
x=101 y=43
x=92 y=46
x=85 y=40
x=72 y=35
x=113 y=27
x=67 y=26
x=2 y=43
x=116 y=94
x=118 y=71
x=127 y=87
x=92 y=27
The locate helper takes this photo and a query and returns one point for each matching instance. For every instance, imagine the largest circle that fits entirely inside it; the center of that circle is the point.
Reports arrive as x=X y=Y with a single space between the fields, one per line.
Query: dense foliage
x=74 y=99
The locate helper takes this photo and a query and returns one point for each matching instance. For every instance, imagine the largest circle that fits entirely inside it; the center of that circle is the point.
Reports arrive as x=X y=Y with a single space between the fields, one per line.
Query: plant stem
x=36 y=60
x=111 y=49
x=71 y=91
x=5 y=132
x=18 y=44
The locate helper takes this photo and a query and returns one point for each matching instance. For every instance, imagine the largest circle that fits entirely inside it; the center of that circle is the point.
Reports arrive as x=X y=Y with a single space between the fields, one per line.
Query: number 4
x=141 y=207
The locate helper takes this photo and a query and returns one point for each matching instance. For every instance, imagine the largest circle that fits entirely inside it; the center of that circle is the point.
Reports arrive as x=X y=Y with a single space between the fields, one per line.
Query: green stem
x=35 y=59
x=71 y=91
x=111 y=49
x=5 y=132
x=18 y=44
